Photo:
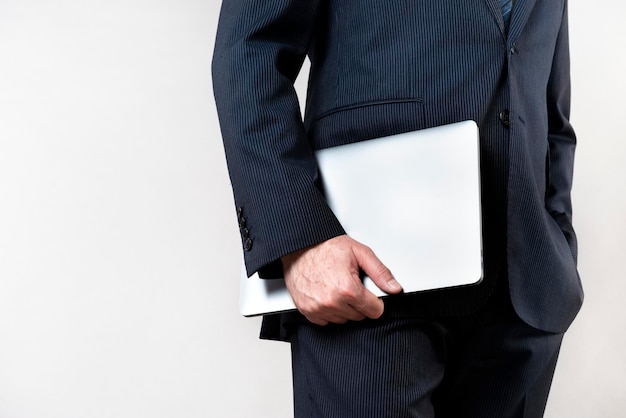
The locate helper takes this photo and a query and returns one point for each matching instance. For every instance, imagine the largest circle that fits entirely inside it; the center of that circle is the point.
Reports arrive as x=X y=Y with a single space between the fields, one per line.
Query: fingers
x=347 y=301
x=324 y=281
x=369 y=305
x=324 y=316
x=376 y=270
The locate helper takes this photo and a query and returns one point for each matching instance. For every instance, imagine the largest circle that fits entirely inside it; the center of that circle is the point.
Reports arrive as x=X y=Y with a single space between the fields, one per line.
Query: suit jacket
x=380 y=67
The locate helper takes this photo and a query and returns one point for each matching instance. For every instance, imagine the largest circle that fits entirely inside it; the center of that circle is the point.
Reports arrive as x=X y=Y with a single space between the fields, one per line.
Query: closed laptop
x=414 y=198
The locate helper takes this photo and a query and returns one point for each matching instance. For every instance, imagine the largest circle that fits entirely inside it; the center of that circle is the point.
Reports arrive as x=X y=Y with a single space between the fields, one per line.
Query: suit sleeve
x=561 y=137
x=260 y=47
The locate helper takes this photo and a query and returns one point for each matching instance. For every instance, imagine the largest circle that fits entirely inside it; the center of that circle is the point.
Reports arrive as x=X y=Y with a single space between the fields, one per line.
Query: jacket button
x=504 y=118
x=247 y=244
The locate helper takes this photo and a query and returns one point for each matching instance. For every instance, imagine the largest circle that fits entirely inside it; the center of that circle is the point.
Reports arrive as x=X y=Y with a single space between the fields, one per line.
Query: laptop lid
x=414 y=198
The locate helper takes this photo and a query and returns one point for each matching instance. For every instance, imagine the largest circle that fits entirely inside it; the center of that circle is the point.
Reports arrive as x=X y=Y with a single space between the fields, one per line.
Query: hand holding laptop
x=424 y=223
x=325 y=285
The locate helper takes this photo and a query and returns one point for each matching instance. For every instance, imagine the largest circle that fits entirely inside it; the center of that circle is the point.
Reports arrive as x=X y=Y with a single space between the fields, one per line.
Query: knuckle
x=345 y=293
x=367 y=249
x=372 y=308
x=322 y=306
x=380 y=270
x=317 y=321
x=325 y=303
x=309 y=309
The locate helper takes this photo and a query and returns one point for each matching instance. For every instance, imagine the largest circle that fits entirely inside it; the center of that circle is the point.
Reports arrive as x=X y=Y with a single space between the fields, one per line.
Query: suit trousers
x=483 y=365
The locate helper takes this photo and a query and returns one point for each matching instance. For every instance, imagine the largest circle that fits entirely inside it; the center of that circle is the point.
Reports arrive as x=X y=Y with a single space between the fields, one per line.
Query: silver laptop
x=414 y=198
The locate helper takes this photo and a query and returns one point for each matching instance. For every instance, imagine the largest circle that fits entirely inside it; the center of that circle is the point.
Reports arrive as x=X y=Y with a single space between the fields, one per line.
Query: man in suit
x=380 y=68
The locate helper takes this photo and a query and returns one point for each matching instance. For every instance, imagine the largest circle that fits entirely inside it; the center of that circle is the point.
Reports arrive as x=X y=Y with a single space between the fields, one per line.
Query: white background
x=116 y=220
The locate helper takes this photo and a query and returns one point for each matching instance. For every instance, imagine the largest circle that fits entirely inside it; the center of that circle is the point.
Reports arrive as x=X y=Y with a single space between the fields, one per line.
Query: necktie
x=507 y=6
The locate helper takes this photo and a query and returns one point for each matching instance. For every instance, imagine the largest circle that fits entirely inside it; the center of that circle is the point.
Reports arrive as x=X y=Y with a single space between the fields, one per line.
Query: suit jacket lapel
x=494 y=6
x=519 y=16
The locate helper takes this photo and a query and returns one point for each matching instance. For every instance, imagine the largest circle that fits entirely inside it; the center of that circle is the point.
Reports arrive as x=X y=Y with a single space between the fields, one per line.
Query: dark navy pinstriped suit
x=383 y=67
x=380 y=67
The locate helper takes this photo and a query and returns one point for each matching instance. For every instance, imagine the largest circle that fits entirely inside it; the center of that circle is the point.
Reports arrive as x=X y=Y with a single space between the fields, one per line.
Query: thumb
x=375 y=269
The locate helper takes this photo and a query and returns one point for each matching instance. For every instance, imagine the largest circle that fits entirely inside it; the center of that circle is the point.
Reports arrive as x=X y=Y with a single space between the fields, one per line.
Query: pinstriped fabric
x=541 y=212
x=433 y=83
x=489 y=364
x=289 y=174
x=348 y=373
x=383 y=67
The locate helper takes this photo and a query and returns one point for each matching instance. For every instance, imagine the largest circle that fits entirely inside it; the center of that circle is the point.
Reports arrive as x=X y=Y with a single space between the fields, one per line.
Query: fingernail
x=394 y=285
